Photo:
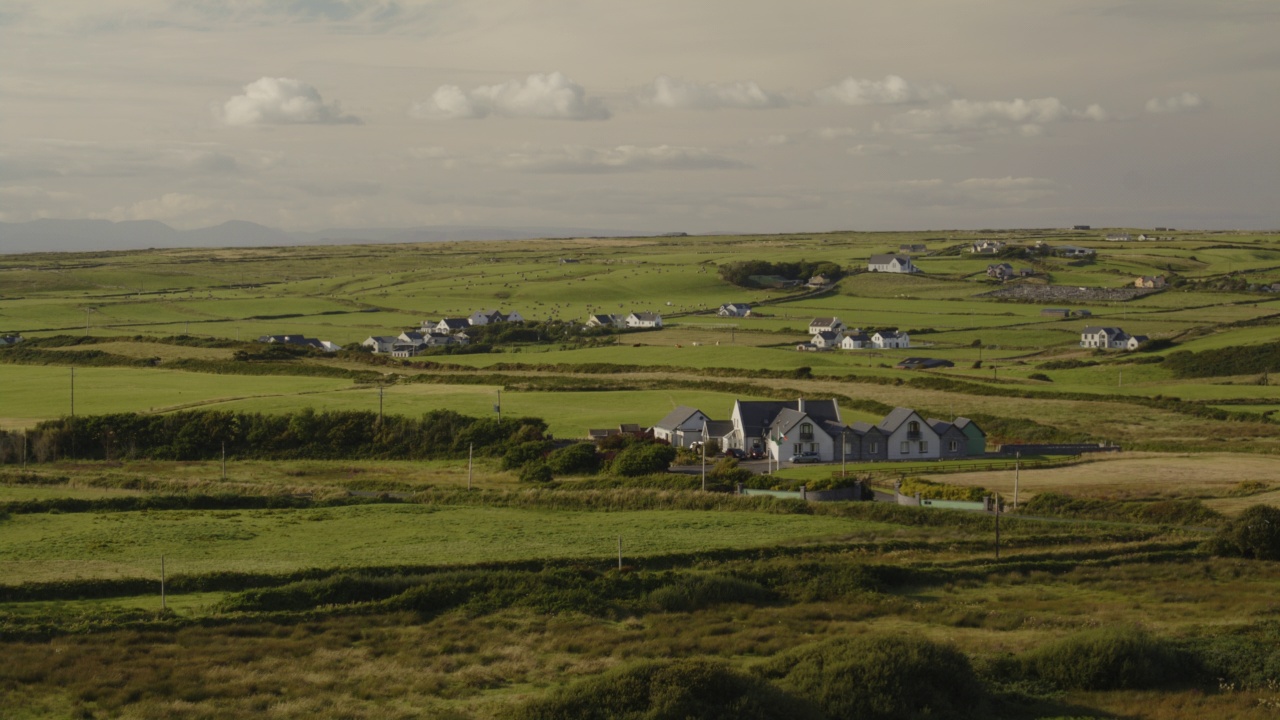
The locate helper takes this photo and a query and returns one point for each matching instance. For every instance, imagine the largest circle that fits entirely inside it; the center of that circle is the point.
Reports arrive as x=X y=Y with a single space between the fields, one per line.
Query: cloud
x=622 y=159
x=985 y=192
x=869 y=149
x=166 y=207
x=833 y=133
x=282 y=101
x=1186 y=102
x=549 y=96
x=667 y=92
x=998 y=116
x=892 y=90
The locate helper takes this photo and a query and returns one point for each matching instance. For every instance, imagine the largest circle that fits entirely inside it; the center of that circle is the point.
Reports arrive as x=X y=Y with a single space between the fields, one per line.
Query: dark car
x=756 y=454
x=735 y=453
x=805 y=457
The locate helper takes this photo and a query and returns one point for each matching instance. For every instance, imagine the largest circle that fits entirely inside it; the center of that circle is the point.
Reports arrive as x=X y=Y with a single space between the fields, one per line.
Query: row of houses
x=830 y=333
x=437 y=333
x=780 y=428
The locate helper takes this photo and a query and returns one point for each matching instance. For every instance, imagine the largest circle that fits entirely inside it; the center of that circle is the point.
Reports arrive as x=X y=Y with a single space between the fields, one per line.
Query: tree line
x=327 y=435
x=740 y=273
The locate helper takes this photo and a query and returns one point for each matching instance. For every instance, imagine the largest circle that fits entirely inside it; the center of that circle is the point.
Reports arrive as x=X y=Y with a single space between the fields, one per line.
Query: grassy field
x=82 y=545
x=707 y=577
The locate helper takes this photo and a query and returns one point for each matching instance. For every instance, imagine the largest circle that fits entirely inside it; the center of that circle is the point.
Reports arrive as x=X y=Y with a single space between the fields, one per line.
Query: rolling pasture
x=384 y=588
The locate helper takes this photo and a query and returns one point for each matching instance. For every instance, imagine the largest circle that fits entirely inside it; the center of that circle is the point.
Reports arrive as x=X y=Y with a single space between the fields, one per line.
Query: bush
x=643 y=459
x=881 y=677
x=679 y=690
x=517 y=456
x=1255 y=533
x=941 y=491
x=696 y=592
x=1040 y=376
x=577 y=459
x=1107 y=659
x=536 y=471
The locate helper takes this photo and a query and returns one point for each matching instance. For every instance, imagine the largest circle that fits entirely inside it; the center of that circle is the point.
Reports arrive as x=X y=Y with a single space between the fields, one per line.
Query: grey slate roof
x=758 y=415
x=886 y=259
x=676 y=417
x=894 y=419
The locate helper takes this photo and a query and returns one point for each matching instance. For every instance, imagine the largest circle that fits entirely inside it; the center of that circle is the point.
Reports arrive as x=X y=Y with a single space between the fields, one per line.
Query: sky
x=655 y=116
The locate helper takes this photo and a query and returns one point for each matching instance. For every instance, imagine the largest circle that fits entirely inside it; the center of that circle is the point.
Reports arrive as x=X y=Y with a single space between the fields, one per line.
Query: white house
x=986 y=247
x=1121 y=237
x=856 y=340
x=644 y=320
x=891 y=264
x=734 y=310
x=826 y=339
x=681 y=427
x=606 y=321
x=782 y=428
x=831 y=324
x=1073 y=251
x=908 y=436
x=890 y=340
x=1109 y=338
x=448 y=326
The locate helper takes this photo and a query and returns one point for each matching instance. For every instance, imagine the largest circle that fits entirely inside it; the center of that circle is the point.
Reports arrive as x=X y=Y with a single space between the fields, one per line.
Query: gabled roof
x=824 y=322
x=896 y=418
x=646 y=316
x=964 y=423
x=677 y=417
x=942 y=427
x=886 y=259
x=827 y=335
x=889 y=333
x=455 y=323
x=758 y=415
x=719 y=428
x=1095 y=329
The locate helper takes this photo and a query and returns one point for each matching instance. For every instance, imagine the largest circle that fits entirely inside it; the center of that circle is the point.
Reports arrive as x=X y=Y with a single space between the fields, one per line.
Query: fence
x=845 y=493
x=1060 y=449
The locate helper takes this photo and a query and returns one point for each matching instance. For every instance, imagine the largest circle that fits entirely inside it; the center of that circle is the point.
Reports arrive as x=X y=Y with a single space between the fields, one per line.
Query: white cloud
x=667 y=92
x=282 y=101
x=166 y=207
x=1186 y=102
x=621 y=159
x=892 y=90
x=1026 y=116
x=548 y=96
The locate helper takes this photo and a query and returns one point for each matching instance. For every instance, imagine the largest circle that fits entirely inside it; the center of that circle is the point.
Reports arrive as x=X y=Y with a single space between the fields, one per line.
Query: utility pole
x=704 y=456
x=844 y=443
x=224 y=461
x=73 y=392
x=619 y=553
x=163 y=605
x=997 y=498
x=498 y=408
x=470 y=455
x=24 y=449
x=1017 y=470
x=380 y=389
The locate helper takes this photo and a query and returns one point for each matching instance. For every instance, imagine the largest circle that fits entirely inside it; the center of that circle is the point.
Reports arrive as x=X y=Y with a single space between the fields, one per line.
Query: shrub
x=881 y=677
x=536 y=471
x=643 y=459
x=1106 y=659
x=668 y=691
x=1040 y=376
x=696 y=592
x=941 y=491
x=1255 y=533
x=577 y=459
x=517 y=456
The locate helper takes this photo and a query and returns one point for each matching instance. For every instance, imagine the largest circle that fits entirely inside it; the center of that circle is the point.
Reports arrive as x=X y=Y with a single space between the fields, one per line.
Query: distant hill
x=88 y=235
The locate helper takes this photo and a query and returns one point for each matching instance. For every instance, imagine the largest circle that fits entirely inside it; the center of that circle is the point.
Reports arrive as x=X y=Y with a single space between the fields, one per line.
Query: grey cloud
x=621 y=159
x=548 y=96
x=672 y=93
x=1184 y=102
x=282 y=101
x=988 y=192
x=892 y=90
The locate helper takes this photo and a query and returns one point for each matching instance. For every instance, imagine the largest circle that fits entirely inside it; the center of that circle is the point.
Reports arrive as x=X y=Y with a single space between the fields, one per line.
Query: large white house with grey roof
x=891 y=264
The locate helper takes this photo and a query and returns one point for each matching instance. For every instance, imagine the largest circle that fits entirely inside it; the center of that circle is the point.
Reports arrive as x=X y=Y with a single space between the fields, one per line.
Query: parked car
x=735 y=453
x=756 y=454
x=805 y=457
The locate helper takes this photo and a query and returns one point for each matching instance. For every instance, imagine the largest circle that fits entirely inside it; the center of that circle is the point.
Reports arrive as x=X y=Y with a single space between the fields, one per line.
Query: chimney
x=800 y=404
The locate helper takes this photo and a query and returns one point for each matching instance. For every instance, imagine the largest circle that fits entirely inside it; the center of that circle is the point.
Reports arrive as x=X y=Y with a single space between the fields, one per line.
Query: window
x=913 y=427
x=797 y=448
x=906 y=447
x=813 y=447
x=806 y=431
x=924 y=446
x=954 y=446
x=873 y=448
